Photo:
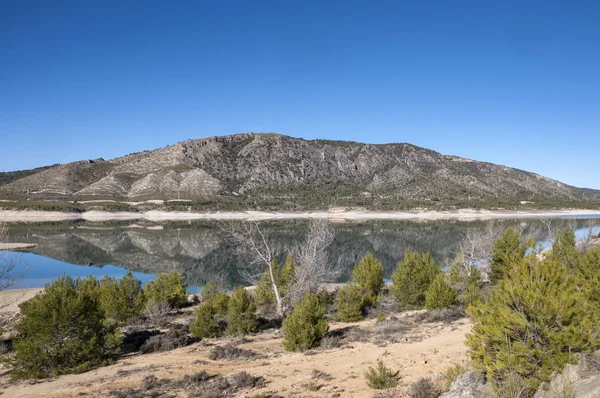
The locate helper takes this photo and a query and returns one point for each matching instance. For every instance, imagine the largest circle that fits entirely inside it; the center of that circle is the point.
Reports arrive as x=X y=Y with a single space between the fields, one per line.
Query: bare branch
x=314 y=268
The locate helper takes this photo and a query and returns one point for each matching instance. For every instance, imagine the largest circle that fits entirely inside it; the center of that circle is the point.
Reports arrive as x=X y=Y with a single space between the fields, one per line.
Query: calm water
x=199 y=251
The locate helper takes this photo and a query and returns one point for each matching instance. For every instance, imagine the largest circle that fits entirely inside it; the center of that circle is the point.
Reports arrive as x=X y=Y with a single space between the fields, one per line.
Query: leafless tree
x=314 y=268
x=11 y=272
x=589 y=239
x=476 y=246
x=248 y=236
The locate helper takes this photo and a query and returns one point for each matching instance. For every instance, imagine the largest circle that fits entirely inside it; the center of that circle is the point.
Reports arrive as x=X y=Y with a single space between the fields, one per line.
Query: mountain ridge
x=275 y=167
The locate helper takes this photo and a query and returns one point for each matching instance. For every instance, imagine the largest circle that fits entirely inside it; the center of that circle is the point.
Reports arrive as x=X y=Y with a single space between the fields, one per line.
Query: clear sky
x=515 y=83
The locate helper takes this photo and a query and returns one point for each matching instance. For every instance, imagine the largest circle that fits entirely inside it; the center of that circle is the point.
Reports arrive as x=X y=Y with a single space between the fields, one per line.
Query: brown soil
x=421 y=349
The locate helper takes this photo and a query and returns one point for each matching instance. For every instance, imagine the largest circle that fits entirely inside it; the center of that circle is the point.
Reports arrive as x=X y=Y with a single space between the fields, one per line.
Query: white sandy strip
x=156 y=215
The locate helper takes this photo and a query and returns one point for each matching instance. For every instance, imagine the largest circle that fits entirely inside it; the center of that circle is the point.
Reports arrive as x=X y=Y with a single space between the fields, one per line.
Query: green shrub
x=505 y=250
x=241 y=313
x=167 y=288
x=381 y=316
x=589 y=274
x=369 y=275
x=62 y=330
x=349 y=304
x=219 y=300
x=533 y=323
x=121 y=300
x=412 y=278
x=381 y=377
x=565 y=250
x=265 y=296
x=208 y=292
x=206 y=323
x=440 y=295
x=306 y=326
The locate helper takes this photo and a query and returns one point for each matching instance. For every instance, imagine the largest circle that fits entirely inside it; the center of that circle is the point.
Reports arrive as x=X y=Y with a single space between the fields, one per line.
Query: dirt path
x=421 y=350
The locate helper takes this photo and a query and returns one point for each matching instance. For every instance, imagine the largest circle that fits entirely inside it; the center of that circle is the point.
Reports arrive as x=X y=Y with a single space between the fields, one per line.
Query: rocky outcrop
x=581 y=380
x=468 y=385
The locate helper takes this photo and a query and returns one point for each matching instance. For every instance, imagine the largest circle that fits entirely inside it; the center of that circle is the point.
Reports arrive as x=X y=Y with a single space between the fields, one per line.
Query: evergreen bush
x=536 y=318
x=206 y=323
x=505 y=250
x=412 y=277
x=369 y=275
x=62 y=330
x=306 y=326
x=440 y=294
x=241 y=313
x=349 y=304
x=167 y=288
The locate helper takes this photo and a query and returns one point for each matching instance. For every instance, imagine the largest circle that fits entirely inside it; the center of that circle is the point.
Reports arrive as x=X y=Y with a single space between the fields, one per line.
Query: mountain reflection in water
x=201 y=253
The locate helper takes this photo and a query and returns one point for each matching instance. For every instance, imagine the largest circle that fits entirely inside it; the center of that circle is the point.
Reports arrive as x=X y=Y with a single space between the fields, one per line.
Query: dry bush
x=198 y=385
x=157 y=313
x=176 y=337
x=424 y=388
x=233 y=353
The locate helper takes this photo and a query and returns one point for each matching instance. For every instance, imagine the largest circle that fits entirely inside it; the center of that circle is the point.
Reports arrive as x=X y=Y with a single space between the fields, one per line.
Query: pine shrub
x=412 y=278
x=506 y=250
x=121 y=300
x=440 y=294
x=62 y=330
x=167 y=288
x=306 y=326
x=369 y=275
x=241 y=313
x=381 y=377
x=533 y=323
x=207 y=324
x=349 y=304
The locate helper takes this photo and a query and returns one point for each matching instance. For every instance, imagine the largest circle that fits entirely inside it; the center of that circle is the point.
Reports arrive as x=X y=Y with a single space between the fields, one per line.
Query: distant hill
x=259 y=168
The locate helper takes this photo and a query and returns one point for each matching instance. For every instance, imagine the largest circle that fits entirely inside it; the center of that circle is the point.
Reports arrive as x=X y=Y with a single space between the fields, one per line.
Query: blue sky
x=515 y=83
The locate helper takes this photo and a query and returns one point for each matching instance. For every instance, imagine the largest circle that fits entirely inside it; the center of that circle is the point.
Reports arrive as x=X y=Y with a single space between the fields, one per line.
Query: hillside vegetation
x=279 y=172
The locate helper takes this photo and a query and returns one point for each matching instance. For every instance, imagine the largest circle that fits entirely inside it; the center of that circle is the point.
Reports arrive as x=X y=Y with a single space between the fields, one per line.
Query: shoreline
x=9 y=216
x=252 y=215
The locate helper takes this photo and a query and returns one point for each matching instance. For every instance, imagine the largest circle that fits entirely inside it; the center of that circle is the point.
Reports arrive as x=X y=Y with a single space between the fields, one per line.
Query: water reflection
x=200 y=251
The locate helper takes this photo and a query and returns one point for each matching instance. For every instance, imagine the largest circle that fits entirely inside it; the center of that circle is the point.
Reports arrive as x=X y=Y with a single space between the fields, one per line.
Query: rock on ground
x=468 y=385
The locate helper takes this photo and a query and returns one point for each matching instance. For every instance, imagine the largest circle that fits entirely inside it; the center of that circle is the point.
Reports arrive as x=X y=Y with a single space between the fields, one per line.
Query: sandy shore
x=16 y=246
x=155 y=215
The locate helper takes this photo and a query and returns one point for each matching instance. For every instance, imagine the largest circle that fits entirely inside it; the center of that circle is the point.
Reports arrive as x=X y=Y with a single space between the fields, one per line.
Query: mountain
x=253 y=168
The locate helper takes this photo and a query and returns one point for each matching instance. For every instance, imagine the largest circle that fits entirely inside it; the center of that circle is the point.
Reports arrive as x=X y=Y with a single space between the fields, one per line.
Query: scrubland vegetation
x=532 y=312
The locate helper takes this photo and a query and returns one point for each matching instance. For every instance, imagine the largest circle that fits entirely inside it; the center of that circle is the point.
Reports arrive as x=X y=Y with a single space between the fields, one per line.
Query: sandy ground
x=156 y=215
x=422 y=350
x=16 y=246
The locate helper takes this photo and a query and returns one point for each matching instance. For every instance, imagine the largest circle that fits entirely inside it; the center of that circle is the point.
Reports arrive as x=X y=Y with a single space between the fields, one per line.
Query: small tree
x=206 y=324
x=122 y=299
x=412 y=278
x=440 y=294
x=534 y=321
x=219 y=300
x=167 y=288
x=505 y=250
x=241 y=314
x=369 y=275
x=306 y=326
x=564 y=249
x=349 y=304
x=62 y=330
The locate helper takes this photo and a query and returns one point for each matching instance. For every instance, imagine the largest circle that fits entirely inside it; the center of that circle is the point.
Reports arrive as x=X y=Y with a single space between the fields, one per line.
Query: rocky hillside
x=273 y=166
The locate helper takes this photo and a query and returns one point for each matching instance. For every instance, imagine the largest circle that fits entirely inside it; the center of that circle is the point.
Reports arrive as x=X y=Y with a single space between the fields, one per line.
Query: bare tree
x=476 y=247
x=314 y=268
x=10 y=271
x=248 y=236
x=589 y=239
